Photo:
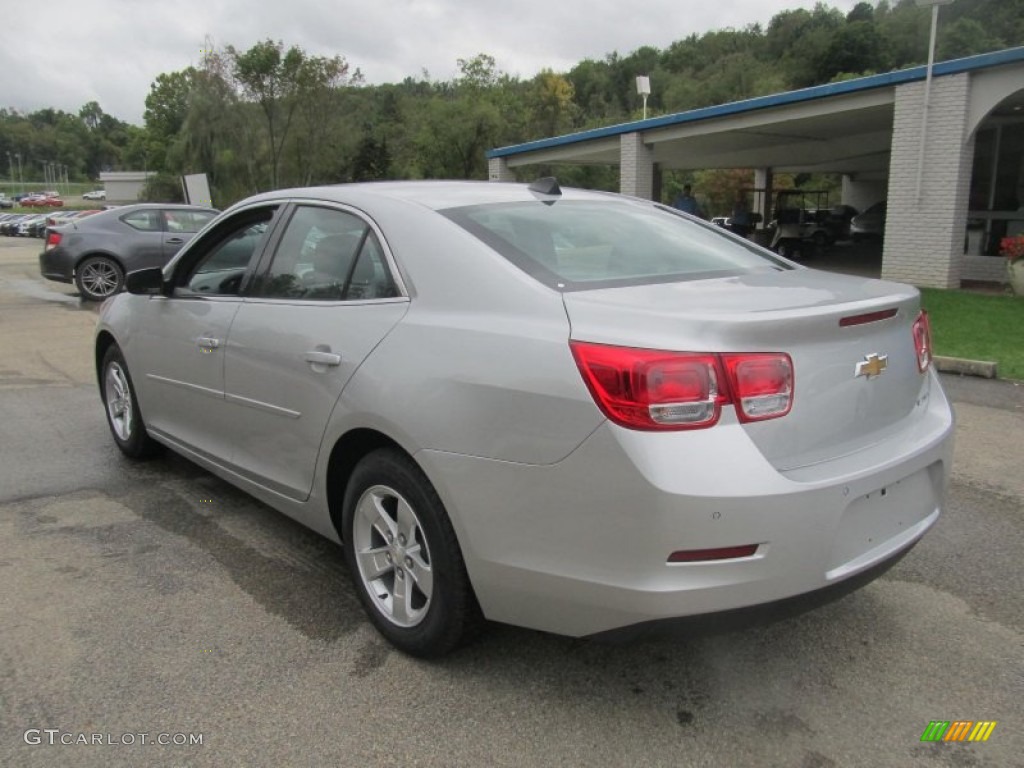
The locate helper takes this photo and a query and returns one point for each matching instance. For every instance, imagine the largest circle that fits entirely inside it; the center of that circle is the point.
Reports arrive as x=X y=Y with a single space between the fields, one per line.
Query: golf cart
x=801 y=225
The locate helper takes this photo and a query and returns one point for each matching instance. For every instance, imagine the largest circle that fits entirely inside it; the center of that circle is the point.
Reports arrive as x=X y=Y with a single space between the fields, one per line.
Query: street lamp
x=934 y=5
x=643 y=87
x=21 y=179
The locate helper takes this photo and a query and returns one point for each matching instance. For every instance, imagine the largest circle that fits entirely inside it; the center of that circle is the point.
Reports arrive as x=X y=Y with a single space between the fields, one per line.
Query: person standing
x=740 y=222
x=686 y=202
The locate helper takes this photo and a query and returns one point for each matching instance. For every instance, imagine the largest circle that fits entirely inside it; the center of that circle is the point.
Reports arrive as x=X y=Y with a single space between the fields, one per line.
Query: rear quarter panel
x=480 y=365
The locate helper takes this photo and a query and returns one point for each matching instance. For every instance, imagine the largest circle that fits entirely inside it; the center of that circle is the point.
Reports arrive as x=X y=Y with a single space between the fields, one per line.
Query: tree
x=270 y=76
x=552 y=110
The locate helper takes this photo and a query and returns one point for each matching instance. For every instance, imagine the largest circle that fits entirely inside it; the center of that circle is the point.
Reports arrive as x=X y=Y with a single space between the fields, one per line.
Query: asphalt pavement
x=156 y=599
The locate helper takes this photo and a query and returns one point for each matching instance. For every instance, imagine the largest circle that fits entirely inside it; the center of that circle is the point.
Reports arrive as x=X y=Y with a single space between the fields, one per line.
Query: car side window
x=327 y=255
x=145 y=220
x=177 y=220
x=221 y=270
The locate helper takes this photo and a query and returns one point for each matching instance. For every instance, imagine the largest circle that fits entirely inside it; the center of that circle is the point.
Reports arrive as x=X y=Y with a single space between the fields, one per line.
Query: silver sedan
x=566 y=410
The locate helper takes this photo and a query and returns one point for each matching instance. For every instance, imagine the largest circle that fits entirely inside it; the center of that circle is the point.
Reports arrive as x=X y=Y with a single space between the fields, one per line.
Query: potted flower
x=1013 y=249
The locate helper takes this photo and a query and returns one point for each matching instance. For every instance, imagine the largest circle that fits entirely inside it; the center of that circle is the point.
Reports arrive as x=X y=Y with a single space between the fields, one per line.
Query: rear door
x=142 y=242
x=327 y=297
x=180 y=225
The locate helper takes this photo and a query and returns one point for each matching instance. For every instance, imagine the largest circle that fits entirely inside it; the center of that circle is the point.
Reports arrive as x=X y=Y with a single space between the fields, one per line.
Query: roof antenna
x=546 y=185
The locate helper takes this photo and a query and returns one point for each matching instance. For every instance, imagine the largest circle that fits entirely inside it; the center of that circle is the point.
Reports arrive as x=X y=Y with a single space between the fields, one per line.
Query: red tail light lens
x=923 y=341
x=52 y=240
x=761 y=383
x=650 y=389
x=657 y=390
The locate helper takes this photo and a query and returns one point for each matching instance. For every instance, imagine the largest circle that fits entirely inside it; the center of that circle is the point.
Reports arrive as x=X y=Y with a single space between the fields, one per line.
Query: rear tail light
x=762 y=384
x=52 y=240
x=657 y=390
x=923 y=341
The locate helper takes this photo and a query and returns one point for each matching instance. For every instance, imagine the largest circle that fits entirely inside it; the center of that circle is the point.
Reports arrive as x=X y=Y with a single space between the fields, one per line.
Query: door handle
x=207 y=344
x=175 y=240
x=323 y=358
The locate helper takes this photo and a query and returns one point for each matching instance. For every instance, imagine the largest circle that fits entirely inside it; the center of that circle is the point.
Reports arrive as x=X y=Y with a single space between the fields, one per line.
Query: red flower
x=1012 y=247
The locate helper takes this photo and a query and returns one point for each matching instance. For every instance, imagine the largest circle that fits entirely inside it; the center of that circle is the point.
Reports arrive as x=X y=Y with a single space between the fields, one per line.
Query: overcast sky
x=65 y=53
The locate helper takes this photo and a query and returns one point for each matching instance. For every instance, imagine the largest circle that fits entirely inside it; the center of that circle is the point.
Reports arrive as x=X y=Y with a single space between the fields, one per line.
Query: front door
x=182 y=338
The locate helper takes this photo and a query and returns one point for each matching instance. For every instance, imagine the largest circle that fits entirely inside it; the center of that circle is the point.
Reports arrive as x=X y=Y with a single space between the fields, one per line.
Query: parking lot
x=155 y=599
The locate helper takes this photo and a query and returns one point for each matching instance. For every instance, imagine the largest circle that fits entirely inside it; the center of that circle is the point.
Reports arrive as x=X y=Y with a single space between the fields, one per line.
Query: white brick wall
x=924 y=240
x=498 y=170
x=636 y=175
x=988 y=268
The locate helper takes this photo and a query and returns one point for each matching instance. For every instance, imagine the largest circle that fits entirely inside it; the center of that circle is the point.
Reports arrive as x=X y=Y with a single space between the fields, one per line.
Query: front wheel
x=123 y=415
x=404 y=557
x=98 y=277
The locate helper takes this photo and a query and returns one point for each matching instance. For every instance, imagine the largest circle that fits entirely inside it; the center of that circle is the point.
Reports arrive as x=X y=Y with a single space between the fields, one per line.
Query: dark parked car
x=9 y=226
x=95 y=252
x=838 y=221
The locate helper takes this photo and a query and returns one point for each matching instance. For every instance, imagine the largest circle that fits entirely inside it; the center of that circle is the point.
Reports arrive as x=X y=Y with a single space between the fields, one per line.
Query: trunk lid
x=835 y=410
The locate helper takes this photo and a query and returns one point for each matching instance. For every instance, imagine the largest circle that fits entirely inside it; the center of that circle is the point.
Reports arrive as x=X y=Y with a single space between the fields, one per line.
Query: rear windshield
x=575 y=245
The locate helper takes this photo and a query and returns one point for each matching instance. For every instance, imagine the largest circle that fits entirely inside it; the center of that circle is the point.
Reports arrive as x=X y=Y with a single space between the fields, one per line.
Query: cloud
x=111 y=51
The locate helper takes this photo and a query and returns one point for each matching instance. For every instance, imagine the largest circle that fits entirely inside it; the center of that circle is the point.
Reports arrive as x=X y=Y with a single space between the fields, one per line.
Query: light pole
x=643 y=87
x=21 y=179
x=10 y=167
x=934 y=5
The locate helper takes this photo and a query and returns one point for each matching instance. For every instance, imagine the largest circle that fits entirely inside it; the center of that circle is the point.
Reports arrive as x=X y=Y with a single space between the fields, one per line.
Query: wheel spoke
x=373 y=563
x=407 y=523
x=421 y=573
x=376 y=515
x=401 y=600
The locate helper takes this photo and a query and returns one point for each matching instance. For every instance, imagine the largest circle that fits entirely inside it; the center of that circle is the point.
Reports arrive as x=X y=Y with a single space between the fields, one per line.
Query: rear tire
x=122 y=408
x=99 y=277
x=404 y=558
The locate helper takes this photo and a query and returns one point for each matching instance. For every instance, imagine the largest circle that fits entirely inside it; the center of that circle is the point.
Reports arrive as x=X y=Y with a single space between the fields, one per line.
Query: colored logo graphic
x=958 y=730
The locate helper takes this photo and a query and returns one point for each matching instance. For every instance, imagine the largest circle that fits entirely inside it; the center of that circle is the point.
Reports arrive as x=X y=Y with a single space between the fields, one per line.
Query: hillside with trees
x=274 y=115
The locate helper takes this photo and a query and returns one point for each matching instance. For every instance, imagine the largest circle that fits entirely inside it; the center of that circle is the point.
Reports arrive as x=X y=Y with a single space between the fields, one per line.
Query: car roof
x=436 y=195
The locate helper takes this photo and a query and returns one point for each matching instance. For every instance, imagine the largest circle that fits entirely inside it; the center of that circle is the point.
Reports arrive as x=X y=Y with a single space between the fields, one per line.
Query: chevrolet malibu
x=566 y=410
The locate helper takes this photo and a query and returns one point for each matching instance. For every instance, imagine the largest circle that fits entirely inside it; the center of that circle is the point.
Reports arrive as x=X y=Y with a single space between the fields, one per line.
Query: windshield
x=575 y=245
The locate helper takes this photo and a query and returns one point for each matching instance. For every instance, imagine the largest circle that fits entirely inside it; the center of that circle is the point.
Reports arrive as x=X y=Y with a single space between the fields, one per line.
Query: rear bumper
x=750 y=616
x=53 y=265
x=581 y=547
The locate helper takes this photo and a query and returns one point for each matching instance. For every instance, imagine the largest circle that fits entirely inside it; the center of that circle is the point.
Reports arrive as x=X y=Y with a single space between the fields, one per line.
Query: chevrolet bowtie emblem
x=872 y=365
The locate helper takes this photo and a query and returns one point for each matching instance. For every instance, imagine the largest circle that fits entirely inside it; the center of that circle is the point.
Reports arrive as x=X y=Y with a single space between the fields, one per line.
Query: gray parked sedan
x=566 y=410
x=95 y=252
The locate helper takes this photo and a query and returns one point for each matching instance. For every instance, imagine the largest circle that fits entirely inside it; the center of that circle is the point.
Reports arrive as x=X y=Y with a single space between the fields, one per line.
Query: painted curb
x=983 y=368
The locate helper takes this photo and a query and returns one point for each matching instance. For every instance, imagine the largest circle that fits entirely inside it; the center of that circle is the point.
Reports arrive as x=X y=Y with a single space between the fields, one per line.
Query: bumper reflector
x=704 y=555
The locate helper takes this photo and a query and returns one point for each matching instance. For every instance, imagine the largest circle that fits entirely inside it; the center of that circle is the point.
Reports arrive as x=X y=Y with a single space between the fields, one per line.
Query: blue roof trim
x=952 y=67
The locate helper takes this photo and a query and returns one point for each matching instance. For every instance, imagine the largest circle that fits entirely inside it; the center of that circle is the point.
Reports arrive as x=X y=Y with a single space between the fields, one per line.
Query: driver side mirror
x=146 y=281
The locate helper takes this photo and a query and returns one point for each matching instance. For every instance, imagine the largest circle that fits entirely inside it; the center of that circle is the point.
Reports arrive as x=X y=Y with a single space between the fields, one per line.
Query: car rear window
x=577 y=245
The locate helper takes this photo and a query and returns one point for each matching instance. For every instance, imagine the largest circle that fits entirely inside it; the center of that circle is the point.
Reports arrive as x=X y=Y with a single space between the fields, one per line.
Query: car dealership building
x=947 y=154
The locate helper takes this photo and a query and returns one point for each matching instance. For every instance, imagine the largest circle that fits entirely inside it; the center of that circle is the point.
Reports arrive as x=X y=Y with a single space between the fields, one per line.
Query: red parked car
x=42 y=202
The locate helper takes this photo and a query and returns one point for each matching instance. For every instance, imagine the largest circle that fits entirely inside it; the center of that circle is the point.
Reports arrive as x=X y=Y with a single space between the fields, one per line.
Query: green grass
x=978 y=327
